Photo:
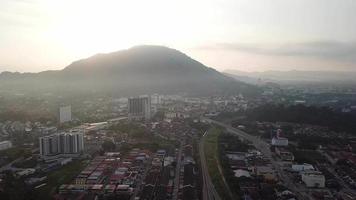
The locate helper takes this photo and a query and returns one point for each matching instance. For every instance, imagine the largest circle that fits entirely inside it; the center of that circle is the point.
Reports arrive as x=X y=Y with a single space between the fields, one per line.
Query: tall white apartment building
x=65 y=114
x=62 y=143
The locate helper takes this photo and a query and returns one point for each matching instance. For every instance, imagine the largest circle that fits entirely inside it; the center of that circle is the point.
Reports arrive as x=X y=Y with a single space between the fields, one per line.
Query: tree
x=108 y=146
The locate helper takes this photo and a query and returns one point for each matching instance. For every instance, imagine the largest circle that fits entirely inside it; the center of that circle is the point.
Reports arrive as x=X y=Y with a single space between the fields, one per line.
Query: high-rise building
x=62 y=143
x=156 y=99
x=65 y=114
x=139 y=108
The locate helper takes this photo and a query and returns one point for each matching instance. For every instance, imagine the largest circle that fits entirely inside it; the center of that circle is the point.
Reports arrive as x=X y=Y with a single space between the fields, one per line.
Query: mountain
x=138 y=70
x=294 y=76
x=242 y=78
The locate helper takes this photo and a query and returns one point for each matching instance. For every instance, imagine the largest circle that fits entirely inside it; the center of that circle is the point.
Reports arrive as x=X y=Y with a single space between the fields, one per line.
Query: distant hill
x=138 y=70
x=294 y=76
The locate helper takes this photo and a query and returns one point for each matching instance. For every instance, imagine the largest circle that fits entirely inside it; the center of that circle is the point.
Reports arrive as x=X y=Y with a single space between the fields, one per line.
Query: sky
x=248 y=35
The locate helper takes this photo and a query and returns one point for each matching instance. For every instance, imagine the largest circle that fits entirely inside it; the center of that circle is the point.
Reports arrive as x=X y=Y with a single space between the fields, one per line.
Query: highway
x=257 y=142
x=209 y=191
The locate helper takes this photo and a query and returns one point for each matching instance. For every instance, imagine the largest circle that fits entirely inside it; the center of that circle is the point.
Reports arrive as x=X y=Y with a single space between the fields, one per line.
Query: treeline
x=132 y=129
x=322 y=116
x=26 y=115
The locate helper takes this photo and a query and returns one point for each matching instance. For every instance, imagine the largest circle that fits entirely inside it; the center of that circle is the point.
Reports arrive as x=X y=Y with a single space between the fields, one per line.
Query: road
x=209 y=191
x=264 y=148
x=177 y=174
x=257 y=142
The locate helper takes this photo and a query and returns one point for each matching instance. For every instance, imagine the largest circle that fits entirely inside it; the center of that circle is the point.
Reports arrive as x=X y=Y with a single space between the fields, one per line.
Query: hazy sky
x=251 y=35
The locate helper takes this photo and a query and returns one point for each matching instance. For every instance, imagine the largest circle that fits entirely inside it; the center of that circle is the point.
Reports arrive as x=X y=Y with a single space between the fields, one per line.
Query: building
x=302 y=167
x=313 y=179
x=5 y=145
x=284 y=154
x=156 y=99
x=25 y=172
x=139 y=108
x=266 y=172
x=241 y=173
x=65 y=114
x=62 y=144
x=278 y=140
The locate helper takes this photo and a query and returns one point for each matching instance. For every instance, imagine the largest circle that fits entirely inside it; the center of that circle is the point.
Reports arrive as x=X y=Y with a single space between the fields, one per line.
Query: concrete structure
x=65 y=114
x=25 y=172
x=279 y=141
x=313 y=179
x=139 y=108
x=302 y=167
x=61 y=143
x=156 y=99
x=240 y=173
x=5 y=145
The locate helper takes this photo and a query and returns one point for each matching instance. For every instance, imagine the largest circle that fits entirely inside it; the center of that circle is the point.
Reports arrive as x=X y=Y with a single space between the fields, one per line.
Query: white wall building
x=279 y=141
x=25 y=172
x=65 y=114
x=5 y=145
x=302 y=167
x=313 y=179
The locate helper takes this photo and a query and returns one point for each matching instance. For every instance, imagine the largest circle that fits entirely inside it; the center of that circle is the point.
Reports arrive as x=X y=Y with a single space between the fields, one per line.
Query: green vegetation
x=152 y=144
x=321 y=116
x=229 y=142
x=134 y=130
x=27 y=163
x=14 y=153
x=58 y=177
x=15 y=189
x=308 y=156
x=212 y=158
x=108 y=145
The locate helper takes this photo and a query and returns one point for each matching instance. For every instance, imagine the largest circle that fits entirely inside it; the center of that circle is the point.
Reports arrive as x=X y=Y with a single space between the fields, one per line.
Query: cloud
x=338 y=51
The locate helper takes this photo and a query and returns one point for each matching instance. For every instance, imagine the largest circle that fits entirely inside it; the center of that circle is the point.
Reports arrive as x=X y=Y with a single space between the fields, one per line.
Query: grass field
x=62 y=176
x=211 y=153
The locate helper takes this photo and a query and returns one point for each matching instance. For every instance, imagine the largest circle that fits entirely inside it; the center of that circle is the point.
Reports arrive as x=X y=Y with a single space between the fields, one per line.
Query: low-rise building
x=241 y=173
x=313 y=179
x=302 y=167
x=267 y=172
x=279 y=141
x=25 y=172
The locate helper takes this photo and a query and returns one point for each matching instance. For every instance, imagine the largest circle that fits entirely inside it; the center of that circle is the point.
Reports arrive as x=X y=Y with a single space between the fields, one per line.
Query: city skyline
x=244 y=35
